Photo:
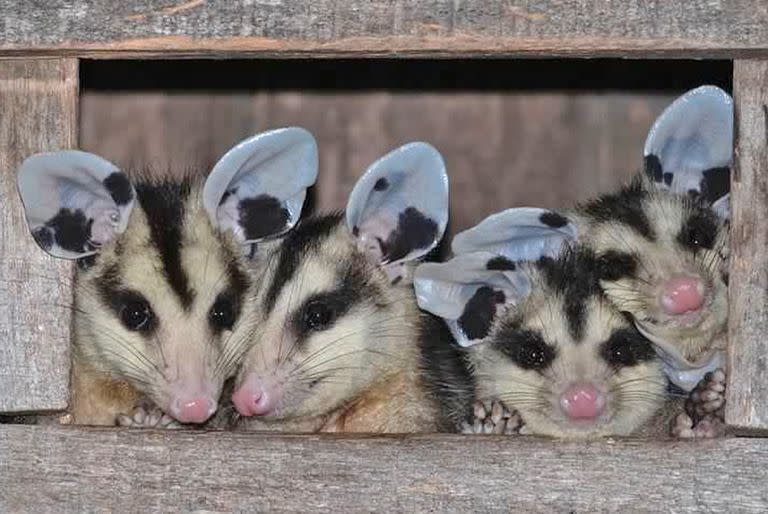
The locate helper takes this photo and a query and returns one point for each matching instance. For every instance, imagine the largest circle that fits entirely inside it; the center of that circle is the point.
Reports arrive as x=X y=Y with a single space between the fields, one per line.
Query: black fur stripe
x=306 y=236
x=624 y=207
x=163 y=205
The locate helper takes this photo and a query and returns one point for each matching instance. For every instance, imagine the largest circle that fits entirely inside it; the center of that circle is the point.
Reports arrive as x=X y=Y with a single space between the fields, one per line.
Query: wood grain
x=501 y=149
x=320 y=28
x=63 y=469
x=747 y=389
x=38 y=102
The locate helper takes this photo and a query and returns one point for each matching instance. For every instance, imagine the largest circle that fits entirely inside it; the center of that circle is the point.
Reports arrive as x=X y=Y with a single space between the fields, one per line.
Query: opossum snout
x=190 y=405
x=582 y=401
x=682 y=294
x=256 y=396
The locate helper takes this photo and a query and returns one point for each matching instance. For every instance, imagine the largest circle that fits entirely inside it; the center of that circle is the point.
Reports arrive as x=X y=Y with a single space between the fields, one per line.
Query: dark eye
x=137 y=315
x=222 y=314
x=318 y=315
x=627 y=348
x=526 y=348
x=699 y=231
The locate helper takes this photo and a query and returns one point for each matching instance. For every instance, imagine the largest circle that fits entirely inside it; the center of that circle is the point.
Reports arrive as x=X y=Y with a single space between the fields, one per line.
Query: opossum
x=542 y=338
x=335 y=344
x=661 y=241
x=163 y=269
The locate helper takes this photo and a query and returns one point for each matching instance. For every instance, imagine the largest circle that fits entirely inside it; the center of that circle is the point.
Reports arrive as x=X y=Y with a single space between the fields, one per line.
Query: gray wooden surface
x=385 y=27
x=38 y=112
x=501 y=149
x=747 y=401
x=63 y=469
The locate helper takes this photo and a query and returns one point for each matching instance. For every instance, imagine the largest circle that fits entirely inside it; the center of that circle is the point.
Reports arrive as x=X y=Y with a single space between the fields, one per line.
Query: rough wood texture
x=502 y=150
x=38 y=106
x=57 y=469
x=385 y=27
x=747 y=400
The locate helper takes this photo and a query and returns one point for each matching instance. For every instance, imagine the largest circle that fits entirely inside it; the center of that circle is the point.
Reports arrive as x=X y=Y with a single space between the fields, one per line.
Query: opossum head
x=336 y=314
x=163 y=278
x=542 y=339
x=661 y=242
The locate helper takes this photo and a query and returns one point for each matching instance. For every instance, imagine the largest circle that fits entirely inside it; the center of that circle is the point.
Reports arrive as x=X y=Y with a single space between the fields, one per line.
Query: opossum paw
x=147 y=417
x=706 y=428
x=493 y=417
x=707 y=400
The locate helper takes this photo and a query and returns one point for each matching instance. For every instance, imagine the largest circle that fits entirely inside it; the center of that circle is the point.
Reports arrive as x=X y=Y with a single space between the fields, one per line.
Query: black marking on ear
x=305 y=237
x=553 y=219
x=653 y=168
x=627 y=347
x=163 y=205
x=480 y=311
x=526 y=348
x=227 y=194
x=71 y=230
x=119 y=188
x=624 y=207
x=500 y=264
x=668 y=178
x=614 y=265
x=356 y=231
x=716 y=183
x=413 y=231
x=381 y=184
x=44 y=237
x=262 y=216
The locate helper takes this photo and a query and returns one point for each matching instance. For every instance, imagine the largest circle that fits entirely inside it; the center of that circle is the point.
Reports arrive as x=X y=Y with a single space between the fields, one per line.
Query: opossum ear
x=689 y=149
x=398 y=210
x=470 y=292
x=520 y=234
x=75 y=202
x=257 y=188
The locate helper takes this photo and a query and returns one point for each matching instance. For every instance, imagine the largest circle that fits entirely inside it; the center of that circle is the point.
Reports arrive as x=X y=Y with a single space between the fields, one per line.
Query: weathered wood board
x=501 y=149
x=747 y=393
x=38 y=109
x=694 y=28
x=65 y=469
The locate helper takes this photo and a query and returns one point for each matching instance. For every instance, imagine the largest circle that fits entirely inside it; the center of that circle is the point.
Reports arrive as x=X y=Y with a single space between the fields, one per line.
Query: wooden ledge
x=327 y=28
x=71 y=469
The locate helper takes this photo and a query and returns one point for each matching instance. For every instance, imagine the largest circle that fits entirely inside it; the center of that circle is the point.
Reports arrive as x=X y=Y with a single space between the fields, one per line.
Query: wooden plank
x=64 y=469
x=516 y=148
x=747 y=388
x=703 y=28
x=38 y=102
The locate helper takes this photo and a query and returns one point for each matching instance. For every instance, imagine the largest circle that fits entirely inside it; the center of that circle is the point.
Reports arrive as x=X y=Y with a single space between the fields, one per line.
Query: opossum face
x=331 y=323
x=335 y=312
x=160 y=305
x=559 y=353
x=161 y=289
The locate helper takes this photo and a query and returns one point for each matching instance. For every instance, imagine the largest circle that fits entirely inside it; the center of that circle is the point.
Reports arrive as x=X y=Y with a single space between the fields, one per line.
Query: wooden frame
x=65 y=468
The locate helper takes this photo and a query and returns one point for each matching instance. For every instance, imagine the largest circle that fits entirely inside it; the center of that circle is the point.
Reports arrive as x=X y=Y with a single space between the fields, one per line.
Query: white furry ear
x=689 y=149
x=75 y=202
x=469 y=292
x=398 y=210
x=257 y=188
x=520 y=234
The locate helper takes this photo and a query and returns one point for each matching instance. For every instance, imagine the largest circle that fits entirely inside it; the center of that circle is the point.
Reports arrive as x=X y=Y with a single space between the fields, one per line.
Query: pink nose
x=582 y=401
x=255 y=397
x=193 y=410
x=682 y=294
